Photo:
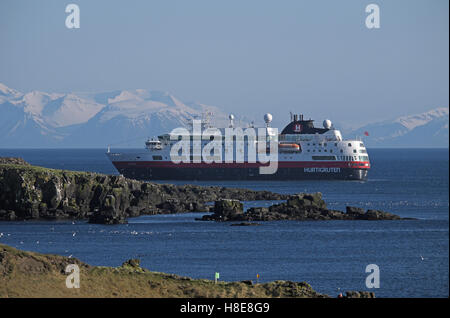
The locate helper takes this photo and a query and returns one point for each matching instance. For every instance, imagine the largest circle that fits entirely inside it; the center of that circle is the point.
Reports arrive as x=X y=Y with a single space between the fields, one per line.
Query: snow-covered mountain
x=429 y=129
x=121 y=118
x=126 y=118
x=131 y=116
x=7 y=93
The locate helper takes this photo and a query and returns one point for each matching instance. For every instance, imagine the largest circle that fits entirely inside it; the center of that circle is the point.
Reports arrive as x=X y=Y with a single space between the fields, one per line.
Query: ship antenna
x=206 y=119
x=231 y=118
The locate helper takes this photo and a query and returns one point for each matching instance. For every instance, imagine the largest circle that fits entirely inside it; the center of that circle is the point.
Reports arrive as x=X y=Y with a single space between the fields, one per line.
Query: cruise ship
x=300 y=152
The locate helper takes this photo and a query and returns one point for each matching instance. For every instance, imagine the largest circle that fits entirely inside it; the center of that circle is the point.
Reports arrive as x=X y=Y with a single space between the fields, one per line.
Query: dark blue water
x=330 y=255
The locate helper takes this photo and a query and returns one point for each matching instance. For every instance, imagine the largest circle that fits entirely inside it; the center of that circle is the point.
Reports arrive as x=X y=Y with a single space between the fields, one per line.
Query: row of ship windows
x=353 y=158
x=320 y=150
x=342 y=151
x=342 y=158
x=309 y=144
x=335 y=144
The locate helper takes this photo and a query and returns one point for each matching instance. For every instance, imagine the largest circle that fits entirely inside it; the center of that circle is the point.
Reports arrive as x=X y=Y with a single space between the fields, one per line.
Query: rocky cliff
x=30 y=192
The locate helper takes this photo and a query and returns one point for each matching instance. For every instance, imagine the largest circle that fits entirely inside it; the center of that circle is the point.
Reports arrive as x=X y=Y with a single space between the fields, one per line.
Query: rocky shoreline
x=300 y=207
x=30 y=274
x=29 y=193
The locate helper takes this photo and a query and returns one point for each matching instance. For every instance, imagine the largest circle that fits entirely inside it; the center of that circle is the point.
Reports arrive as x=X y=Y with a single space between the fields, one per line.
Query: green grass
x=29 y=274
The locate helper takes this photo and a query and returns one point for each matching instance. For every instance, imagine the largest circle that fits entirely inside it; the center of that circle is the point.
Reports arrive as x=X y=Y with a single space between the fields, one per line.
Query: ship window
x=325 y=150
x=354 y=150
x=157 y=157
x=331 y=150
x=314 y=150
x=342 y=151
x=325 y=144
x=335 y=144
x=308 y=150
x=324 y=157
x=320 y=150
x=349 y=144
x=361 y=145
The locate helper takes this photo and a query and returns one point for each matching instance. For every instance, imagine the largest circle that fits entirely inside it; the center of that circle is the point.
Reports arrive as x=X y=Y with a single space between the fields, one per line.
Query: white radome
x=231 y=117
x=327 y=124
x=268 y=118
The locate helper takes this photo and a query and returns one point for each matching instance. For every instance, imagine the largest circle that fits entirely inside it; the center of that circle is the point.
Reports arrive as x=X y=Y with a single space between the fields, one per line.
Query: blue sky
x=247 y=57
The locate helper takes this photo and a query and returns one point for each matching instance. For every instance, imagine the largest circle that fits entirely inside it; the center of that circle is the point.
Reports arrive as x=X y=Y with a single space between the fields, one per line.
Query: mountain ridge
x=41 y=119
x=429 y=129
x=127 y=117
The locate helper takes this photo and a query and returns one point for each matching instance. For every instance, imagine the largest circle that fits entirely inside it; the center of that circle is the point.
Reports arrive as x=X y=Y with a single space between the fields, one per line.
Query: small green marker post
x=216 y=277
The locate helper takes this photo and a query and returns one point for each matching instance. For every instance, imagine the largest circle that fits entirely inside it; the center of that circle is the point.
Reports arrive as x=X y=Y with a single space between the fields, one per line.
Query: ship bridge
x=300 y=129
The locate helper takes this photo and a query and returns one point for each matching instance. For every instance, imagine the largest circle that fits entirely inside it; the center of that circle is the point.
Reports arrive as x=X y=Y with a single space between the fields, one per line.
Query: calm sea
x=331 y=255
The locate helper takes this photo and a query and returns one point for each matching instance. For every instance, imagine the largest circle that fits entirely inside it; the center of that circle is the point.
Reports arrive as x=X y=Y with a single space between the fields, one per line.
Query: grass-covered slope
x=29 y=274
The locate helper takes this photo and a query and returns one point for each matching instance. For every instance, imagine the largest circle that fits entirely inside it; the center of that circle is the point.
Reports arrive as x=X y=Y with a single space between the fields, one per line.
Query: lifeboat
x=289 y=147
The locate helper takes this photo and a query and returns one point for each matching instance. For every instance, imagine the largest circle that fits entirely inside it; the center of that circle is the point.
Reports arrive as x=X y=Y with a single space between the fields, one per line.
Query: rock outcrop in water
x=30 y=192
x=301 y=207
